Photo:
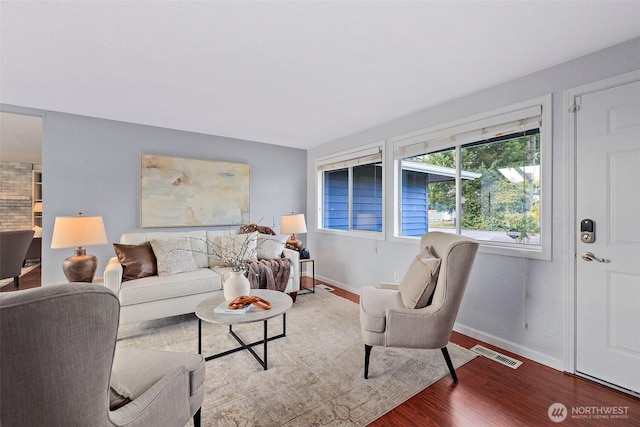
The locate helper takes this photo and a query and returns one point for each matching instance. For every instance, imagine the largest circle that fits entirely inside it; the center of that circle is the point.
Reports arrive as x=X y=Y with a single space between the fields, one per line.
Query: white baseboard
x=512 y=347
x=338 y=284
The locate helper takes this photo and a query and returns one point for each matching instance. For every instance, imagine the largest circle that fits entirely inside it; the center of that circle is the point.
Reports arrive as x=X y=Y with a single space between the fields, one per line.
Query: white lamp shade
x=293 y=224
x=37 y=207
x=77 y=231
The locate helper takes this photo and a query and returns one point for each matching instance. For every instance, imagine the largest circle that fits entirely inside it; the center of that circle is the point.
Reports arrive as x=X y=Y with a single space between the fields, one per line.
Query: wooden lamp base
x=294 y=243
x=80 y=267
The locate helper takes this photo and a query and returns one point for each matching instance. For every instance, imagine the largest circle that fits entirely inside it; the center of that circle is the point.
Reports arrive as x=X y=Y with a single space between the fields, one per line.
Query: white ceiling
x=296 y=74
x=20 y=139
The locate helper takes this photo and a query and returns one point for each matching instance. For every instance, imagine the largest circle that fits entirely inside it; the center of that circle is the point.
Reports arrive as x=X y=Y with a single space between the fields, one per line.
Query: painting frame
x=188 y=192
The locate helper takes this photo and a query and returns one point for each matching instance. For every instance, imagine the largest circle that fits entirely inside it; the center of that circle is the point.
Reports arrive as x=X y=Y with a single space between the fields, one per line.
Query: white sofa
x=156 y=297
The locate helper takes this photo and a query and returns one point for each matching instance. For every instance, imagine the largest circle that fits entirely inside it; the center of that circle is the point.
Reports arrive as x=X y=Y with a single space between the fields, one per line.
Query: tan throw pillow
x=119 y=394
x=174 y=256
x=138 y=260
x=419 y=282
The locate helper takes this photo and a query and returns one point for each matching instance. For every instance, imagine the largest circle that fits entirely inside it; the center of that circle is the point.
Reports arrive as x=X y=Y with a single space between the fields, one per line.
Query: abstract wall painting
x=181 y=192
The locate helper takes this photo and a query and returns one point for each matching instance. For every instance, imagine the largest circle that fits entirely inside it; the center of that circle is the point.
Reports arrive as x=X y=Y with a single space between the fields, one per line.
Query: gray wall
x=93 y=166
x=494 y=308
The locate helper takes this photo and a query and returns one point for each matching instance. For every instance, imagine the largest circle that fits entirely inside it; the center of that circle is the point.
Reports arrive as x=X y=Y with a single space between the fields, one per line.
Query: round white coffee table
x=280 y=303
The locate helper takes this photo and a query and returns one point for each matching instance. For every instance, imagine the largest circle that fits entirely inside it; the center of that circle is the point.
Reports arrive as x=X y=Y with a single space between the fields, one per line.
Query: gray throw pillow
x=419 y=282
x=270 y=247
x=174 y=256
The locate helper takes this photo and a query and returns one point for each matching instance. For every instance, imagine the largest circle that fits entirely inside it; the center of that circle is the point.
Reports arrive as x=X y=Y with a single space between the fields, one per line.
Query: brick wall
x=15 y=196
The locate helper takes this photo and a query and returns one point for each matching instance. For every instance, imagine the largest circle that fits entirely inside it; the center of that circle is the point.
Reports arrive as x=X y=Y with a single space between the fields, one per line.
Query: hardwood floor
x=490 y=394
x=29 y=280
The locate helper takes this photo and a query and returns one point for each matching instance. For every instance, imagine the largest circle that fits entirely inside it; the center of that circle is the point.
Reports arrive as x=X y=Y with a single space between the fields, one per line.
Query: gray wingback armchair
x=421 y=310
x=13 y=248
x=57 y=349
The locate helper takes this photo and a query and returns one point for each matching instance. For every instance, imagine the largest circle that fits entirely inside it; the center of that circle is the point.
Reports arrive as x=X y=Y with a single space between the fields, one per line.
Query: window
x=336 y=199
x=428 y=192
x=351 y=190
x=487 y=178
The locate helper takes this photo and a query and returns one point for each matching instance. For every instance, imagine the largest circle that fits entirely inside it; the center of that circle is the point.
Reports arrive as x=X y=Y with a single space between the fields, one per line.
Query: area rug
x=315 y=373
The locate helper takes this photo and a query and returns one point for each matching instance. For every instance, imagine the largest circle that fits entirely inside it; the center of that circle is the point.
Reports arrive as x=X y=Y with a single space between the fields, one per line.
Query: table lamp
x=78 y=231
x=292 y=224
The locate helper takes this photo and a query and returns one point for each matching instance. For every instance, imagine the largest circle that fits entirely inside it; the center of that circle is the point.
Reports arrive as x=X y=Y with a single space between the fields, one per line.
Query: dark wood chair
x=13 y=249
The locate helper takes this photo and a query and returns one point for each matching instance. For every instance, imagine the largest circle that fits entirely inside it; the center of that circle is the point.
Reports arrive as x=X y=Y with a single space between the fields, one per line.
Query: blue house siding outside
x=415 y=203
x=336 y=199
x=367 y=198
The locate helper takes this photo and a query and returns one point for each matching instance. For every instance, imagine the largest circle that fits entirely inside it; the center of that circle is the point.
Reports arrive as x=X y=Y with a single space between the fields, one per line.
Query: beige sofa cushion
x=162 y=287
x=374 y=303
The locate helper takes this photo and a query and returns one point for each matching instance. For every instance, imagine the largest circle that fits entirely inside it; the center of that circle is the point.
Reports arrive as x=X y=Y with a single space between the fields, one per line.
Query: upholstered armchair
x=13 y=248
x=35 y=249
x=57 y=350
x=420 y=311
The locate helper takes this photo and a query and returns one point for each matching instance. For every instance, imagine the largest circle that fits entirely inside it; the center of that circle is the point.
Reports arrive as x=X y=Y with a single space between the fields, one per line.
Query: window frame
x=439 y=138
x=346 y=157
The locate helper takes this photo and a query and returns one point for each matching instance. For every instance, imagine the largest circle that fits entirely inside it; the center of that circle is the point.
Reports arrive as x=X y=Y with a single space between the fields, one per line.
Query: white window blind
x=353 y=158
x=478 y=130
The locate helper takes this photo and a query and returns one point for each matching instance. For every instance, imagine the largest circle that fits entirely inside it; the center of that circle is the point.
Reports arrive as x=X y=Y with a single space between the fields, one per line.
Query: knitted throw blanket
x=270 y=274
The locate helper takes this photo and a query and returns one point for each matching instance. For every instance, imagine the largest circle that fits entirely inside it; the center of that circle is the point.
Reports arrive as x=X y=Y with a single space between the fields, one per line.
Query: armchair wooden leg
x=16 y=282
x=447 y=358
x=367 y=355
x=196 y=418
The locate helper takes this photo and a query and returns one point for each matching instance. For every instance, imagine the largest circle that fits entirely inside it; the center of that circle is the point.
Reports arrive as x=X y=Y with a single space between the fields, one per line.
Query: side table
x=311 y=290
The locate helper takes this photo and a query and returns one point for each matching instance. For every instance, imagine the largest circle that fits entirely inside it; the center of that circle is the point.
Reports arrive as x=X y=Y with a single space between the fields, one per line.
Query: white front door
x=608 y=270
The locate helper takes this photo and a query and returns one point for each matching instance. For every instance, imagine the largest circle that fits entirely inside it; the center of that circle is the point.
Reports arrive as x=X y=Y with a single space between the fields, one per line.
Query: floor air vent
x=500 y=358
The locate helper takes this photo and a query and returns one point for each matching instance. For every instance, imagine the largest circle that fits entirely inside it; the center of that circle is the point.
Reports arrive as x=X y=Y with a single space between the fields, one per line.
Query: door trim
x=570 y=96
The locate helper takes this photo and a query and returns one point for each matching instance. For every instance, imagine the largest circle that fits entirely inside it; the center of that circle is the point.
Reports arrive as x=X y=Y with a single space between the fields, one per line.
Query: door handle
x=588 y=256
